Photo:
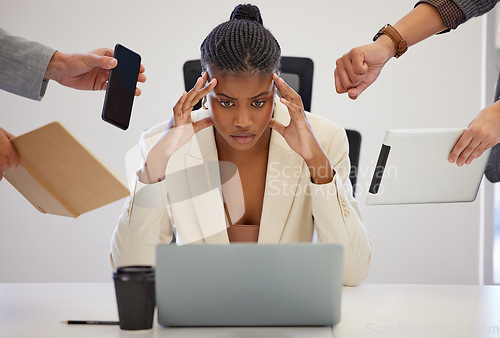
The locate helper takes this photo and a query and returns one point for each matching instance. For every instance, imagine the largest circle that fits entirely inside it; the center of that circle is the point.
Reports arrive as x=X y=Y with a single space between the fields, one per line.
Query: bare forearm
x=419 y=24
x=154 y=168
x=320 y=169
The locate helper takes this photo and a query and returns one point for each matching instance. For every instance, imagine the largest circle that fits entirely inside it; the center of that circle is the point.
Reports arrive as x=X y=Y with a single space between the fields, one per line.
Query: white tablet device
x=413 y=167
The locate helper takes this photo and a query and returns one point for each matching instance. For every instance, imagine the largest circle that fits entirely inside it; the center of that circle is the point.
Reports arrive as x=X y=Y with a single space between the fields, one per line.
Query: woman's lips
x=243 y=138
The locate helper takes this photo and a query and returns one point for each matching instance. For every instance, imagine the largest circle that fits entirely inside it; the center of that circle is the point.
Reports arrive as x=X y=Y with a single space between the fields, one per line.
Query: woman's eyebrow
x=256 y=96
x=229 y=97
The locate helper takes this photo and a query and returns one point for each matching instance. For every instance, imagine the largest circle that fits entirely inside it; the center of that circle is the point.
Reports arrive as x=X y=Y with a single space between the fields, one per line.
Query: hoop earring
x=203 y=102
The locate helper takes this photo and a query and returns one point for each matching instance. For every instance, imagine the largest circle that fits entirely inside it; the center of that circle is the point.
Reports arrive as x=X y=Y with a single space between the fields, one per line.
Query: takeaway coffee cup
x=135 y=296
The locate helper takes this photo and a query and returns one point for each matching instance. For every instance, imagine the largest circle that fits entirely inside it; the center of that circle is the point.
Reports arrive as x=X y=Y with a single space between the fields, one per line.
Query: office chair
x=298 y=74
x=354 y=139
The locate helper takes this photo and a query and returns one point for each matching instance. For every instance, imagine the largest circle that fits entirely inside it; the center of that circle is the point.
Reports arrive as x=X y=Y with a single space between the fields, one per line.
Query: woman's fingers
x=204 y=91
x=199 y=90
x=296 y=112
x=184 y=106
x=202 y=124
x=278 y=126
x=188 y=104
x=286 y=91
x=281 y=86
x=178 y=107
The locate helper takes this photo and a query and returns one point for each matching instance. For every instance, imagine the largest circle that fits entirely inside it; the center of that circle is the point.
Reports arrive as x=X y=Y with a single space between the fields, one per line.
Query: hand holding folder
x=59 y=176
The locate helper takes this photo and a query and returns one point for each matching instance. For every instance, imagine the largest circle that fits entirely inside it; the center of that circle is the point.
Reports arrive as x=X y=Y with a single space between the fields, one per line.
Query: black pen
x=91 y=322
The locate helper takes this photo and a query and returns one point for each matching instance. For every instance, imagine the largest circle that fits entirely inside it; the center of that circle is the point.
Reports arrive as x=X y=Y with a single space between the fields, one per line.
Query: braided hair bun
x=247 y=12
x=241 y=45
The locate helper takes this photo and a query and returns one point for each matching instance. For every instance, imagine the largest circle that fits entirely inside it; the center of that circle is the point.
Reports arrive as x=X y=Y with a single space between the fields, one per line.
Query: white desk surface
x=369 y=310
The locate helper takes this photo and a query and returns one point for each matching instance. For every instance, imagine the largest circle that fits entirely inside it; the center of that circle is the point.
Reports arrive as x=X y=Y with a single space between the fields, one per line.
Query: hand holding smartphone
x=120 y=92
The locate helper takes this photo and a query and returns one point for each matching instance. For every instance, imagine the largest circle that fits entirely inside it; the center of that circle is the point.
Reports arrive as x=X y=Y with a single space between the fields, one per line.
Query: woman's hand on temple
x=178 y=131
x=299 y=134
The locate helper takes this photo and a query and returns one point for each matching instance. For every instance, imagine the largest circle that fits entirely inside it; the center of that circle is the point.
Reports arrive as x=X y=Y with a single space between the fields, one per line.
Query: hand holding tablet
x=413 y=167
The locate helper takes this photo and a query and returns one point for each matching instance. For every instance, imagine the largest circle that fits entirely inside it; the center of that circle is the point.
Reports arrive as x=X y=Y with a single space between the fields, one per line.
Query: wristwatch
x=392 y=33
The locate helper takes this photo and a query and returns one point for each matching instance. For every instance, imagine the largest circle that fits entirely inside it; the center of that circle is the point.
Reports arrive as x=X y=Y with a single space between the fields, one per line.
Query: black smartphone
x=120 y=92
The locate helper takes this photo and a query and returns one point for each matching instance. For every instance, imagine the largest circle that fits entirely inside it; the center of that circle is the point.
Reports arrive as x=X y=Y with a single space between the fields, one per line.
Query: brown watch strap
x=399 y=42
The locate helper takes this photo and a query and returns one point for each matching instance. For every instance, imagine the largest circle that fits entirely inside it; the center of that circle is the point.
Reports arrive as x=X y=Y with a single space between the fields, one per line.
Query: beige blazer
x=293 y=206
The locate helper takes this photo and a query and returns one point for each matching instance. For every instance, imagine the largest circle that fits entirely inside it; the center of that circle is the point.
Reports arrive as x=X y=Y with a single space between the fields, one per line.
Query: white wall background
x=436 y=84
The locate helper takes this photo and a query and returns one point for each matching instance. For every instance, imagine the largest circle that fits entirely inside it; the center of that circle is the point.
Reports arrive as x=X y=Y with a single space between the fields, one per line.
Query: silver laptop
x=249 y=284
x=413 y=167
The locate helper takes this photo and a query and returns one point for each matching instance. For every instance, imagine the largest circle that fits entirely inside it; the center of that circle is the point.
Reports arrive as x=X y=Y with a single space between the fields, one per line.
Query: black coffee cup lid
x=134 y=271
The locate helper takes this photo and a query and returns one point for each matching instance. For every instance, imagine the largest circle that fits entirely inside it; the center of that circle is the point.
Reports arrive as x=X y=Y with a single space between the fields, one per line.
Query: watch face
x=380 y=32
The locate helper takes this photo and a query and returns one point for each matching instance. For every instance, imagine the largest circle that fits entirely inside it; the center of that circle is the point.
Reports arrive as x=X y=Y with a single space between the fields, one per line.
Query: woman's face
x=241 y=108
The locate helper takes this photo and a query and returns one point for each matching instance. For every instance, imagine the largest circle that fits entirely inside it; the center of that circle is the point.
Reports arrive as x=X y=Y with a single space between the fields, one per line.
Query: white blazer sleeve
x=337 y=218
x=143 y=223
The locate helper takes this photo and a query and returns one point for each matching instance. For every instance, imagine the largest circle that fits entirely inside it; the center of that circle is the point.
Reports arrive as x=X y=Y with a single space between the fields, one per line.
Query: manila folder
x=59 y=176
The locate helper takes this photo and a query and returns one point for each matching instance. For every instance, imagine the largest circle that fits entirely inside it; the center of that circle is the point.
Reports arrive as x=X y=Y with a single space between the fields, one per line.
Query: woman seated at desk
x=292 y=167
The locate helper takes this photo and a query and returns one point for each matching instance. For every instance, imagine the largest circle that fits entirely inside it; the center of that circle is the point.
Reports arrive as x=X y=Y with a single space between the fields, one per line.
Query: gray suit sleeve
x=492 y=171
x=22 y=66
x=473 y=8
